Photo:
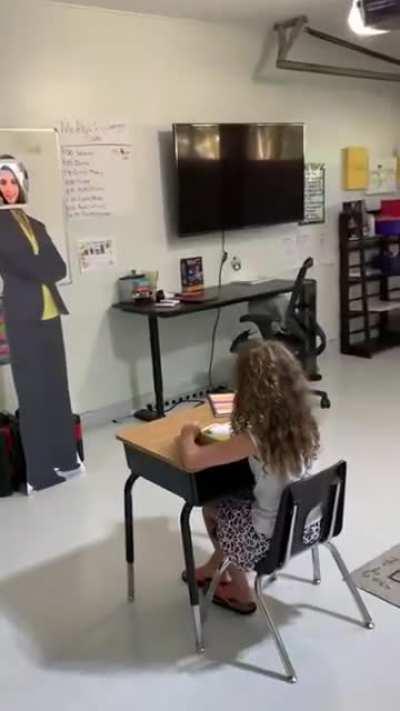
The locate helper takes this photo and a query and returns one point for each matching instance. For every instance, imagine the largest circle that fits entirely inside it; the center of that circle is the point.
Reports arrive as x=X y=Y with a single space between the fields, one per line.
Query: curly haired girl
x=276 y=436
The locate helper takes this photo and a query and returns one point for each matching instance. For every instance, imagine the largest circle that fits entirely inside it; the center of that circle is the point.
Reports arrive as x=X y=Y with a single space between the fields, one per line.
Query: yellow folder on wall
x=355 y=168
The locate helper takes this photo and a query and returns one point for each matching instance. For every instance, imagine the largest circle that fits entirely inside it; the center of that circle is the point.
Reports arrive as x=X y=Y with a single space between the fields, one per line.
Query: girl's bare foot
x=208 y=569
x=240 y=585
x=234 y=598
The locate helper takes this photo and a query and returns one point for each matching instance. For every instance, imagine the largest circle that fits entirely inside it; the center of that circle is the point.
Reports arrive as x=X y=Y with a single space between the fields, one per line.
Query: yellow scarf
x=50 y=309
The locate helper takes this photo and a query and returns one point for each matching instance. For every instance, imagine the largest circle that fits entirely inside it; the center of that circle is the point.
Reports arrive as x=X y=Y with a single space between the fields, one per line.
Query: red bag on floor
x=12 y=460
x=79 y=437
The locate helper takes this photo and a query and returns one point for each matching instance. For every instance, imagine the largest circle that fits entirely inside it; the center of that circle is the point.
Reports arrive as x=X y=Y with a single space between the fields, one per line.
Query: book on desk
x=221 y=404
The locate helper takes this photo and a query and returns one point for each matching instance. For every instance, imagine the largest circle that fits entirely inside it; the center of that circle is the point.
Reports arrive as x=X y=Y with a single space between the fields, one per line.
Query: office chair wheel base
x=325 y=403
x=370 y=625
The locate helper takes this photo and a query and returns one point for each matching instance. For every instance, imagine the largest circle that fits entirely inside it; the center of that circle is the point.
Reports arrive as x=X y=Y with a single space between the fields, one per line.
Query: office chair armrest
x=323 y=341
x=320 y=334
x=298 y=329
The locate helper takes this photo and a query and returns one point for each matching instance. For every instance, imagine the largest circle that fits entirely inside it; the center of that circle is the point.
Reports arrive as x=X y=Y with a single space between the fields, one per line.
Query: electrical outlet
x=236 y=264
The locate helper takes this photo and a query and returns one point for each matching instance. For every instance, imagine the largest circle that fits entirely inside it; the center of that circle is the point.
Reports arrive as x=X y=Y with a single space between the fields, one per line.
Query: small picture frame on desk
x=192 y=277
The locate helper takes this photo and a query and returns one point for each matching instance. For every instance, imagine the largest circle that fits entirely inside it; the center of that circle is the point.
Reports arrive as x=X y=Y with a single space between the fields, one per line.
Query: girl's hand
x=191 y=431
x=187 y=445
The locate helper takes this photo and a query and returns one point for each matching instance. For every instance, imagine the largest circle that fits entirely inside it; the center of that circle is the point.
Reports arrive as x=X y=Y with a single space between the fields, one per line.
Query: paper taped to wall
x=382 y=176
x=96 y=254
x=314 y=193
x=355 y=168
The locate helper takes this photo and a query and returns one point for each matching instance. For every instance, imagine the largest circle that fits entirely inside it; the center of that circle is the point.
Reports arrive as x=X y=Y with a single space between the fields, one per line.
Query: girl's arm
x=195 y=457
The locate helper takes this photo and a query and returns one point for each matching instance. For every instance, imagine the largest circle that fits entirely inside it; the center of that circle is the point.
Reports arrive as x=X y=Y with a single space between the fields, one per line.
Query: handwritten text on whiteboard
x=97 y=166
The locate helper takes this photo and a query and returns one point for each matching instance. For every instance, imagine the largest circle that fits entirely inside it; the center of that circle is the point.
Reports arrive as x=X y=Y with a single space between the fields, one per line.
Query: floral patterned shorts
x=236 y=534
x=239 y=539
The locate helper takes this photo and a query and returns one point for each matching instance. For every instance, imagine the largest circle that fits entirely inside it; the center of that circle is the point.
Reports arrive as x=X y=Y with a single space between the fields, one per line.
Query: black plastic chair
x=318 y=497
x=297 y=330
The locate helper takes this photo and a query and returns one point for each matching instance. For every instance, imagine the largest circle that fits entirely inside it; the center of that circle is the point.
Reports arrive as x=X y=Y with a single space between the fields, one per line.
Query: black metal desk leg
x=129 y=541
x=156 y=362
x=191 y=576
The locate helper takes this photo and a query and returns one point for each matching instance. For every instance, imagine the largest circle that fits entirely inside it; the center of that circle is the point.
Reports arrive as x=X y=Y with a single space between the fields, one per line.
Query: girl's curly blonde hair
x=272 y=402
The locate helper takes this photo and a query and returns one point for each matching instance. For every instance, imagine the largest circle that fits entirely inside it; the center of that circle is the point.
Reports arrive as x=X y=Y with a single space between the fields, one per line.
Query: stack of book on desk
x=221 y=403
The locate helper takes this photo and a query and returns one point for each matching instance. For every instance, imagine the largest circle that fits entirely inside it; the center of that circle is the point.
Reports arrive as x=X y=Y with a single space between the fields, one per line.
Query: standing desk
x=151 y=453
x=223 y=296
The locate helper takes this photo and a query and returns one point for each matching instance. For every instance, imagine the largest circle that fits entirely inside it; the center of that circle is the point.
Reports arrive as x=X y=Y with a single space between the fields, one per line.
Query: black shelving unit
x=368 y=305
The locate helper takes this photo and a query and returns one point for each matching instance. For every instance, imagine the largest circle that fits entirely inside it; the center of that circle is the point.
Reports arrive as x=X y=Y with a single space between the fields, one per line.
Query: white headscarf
x=18 y=169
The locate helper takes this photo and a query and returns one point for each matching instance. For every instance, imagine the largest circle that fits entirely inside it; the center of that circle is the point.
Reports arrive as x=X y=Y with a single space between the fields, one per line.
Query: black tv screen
x=231 y=176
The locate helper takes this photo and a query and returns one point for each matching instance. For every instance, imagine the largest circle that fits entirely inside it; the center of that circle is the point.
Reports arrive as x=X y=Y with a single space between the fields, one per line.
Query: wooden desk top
x=158 y=438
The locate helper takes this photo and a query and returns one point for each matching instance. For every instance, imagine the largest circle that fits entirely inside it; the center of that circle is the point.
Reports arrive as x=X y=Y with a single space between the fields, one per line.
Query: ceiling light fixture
x=288 y=33
x=356 y=22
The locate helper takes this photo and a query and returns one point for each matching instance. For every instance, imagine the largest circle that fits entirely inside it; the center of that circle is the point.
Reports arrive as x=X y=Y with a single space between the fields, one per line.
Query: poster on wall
x=382 y=176
x=314 y=193
x=97 y=166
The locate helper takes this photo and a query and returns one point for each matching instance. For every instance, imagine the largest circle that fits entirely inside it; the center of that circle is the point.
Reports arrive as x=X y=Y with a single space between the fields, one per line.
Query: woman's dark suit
x=37 y=350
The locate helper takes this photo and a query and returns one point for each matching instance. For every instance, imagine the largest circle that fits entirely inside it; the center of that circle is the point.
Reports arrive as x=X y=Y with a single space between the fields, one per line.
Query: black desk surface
x=226 y=295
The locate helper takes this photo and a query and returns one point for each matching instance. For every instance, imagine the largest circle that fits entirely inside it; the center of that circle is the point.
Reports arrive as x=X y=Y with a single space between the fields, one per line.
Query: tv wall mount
x=289 y=31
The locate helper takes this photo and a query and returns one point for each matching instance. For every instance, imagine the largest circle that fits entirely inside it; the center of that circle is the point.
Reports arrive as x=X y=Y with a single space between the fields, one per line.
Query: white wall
x=61 y=61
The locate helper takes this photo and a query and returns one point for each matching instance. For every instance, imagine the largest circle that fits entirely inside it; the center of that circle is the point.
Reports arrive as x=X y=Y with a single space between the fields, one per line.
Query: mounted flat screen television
x=231 y=176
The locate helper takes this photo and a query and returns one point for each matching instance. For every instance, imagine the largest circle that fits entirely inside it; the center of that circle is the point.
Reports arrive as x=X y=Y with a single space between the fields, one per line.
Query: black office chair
x=298 y=330
x=310 y=514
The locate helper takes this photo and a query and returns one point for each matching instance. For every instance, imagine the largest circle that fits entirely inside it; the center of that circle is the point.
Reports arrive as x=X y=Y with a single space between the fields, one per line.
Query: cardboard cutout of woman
x=30 y=266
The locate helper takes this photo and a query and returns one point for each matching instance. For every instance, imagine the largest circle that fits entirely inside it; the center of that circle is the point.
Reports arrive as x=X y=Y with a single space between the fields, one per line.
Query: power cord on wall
x=196 y=401
x=224 y=257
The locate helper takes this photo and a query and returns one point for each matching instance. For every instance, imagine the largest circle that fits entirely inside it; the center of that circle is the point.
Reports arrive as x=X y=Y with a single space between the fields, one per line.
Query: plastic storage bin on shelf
x=388 y=221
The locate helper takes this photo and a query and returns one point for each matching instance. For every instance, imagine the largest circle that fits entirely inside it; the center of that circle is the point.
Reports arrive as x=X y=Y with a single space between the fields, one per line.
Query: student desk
x=151 y=453
x=220 y=297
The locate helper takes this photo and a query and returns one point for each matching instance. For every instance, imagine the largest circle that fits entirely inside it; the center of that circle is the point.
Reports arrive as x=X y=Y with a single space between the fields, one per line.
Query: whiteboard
x=97 y=165
x=39 y=150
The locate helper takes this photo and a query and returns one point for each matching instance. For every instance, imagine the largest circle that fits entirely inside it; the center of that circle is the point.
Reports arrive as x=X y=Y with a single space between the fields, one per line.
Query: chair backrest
x=322 y=497
x=295 y=325
x=287 y=320
x=298 y=284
